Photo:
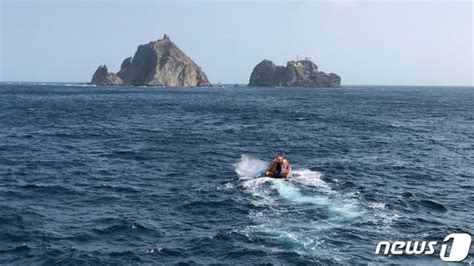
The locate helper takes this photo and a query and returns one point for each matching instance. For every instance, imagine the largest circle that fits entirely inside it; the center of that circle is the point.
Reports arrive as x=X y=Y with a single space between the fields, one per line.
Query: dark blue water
x=153 y=175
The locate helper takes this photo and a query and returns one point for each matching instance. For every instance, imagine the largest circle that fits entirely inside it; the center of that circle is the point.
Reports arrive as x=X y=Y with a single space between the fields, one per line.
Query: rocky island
x=299 y=73
x=158 y=63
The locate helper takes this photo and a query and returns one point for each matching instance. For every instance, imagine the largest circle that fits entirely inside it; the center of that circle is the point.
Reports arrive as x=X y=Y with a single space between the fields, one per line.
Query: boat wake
x=297 y=212
x=304 y=187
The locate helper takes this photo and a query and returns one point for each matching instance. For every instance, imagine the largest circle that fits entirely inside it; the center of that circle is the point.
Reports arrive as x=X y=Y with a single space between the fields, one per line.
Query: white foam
x=255 y=187
x=227 y=186
x=290 y=192
x=377 y=205
x=340 y=208
x=309 y=178
x=301 y=242
x=395 y=125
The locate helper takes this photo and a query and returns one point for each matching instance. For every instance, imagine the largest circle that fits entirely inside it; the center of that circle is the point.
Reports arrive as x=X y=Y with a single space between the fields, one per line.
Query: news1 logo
x=458 y=251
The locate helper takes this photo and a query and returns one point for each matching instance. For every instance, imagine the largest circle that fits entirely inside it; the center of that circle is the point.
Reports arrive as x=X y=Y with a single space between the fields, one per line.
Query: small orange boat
x=279 y=168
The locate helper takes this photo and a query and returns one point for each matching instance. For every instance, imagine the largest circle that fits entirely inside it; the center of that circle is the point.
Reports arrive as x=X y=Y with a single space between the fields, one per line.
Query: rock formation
x=158 y=63
x=102 y=77
x=301 y=73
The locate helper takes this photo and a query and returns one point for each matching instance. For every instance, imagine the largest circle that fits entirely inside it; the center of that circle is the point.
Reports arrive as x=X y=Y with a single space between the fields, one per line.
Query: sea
x=155 y=175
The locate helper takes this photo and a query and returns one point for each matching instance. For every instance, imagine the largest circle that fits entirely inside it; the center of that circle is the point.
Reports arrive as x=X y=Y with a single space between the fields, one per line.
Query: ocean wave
x=15 y=250
x=433 y=205
x=117 y=188
x=134 y=155
x=51 y=189
x=120 y=227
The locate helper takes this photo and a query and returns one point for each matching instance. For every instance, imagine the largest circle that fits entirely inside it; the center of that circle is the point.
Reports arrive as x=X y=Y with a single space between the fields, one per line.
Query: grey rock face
x=264 y=74
x=161 y=63
x=267 y=74
x=102 y=77
x=302 y=73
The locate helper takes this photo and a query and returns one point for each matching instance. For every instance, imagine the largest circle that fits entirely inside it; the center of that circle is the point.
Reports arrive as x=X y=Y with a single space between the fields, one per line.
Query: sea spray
x=249 y=167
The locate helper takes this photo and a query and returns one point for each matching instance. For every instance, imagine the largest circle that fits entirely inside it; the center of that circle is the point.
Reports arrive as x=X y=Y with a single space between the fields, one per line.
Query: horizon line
x=237 y=83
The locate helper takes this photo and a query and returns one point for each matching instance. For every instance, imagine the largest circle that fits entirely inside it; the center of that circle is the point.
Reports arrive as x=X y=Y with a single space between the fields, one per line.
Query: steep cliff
x=161 y=63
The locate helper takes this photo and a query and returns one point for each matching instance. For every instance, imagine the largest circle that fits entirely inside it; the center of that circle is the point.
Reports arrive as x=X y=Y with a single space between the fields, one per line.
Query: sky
x=365 y=42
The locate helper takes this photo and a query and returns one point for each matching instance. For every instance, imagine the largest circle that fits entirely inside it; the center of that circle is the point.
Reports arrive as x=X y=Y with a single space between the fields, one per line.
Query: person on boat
x=279 y=168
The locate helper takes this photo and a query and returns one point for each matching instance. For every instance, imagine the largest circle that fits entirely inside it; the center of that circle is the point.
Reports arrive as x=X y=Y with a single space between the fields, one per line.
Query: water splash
x=249 y=167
